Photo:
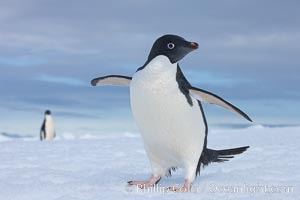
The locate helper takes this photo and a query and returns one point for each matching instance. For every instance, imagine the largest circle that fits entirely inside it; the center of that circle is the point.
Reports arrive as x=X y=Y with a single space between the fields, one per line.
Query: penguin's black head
x=47 y=112
x=172 y=46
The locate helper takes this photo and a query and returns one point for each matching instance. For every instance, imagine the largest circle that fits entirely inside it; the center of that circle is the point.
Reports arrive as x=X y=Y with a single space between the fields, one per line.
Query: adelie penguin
x=169 y=114
x=47 y=130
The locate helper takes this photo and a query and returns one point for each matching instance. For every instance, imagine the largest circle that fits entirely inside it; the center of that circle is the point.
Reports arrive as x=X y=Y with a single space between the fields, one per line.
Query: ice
x=90 y=166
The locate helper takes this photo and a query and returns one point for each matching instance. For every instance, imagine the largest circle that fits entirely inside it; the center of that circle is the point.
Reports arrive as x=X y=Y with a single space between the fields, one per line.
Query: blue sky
x=50 y=50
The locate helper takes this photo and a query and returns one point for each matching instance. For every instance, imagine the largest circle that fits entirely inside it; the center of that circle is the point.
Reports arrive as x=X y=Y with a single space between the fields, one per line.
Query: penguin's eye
x=170 y=45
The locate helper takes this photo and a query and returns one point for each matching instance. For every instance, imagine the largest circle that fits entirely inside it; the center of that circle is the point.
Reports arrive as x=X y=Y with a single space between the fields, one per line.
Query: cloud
x=74 y=114
x=43 y=43
x=249 y=51
x=61 y=80
x=264 y=39
x=213 y=78
x=21 y=61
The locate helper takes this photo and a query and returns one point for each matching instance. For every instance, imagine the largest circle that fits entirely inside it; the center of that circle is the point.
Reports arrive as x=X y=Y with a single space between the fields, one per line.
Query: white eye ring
x=171 y=45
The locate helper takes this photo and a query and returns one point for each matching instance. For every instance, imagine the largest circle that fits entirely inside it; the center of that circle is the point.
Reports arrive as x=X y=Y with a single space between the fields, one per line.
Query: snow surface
x=87 y=167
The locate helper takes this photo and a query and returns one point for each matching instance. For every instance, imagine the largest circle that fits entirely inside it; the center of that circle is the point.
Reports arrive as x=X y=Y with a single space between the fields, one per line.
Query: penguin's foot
x=146 y=184
x=185 y=188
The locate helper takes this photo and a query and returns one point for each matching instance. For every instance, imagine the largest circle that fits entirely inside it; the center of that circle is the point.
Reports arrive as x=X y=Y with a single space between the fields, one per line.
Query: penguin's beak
x=193 y=45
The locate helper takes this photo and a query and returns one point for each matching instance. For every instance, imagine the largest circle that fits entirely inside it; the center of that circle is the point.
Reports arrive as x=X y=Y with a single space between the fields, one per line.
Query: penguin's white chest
x=173 y=131
x=49 y=128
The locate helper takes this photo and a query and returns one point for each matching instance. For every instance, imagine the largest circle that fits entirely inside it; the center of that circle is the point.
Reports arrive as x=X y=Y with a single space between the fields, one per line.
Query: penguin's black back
x=43 y=130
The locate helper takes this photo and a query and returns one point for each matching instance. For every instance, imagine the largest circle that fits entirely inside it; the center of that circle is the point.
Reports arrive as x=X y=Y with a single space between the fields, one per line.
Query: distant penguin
x=169 y=114
x=47 y=130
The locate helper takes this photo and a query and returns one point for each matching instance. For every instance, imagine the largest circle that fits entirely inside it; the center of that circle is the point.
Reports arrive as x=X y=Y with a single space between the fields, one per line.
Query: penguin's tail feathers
x=209 y=155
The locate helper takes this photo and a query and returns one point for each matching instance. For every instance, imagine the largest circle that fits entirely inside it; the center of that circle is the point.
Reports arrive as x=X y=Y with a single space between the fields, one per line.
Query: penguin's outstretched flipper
x=117 y=80
x=208 y=97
